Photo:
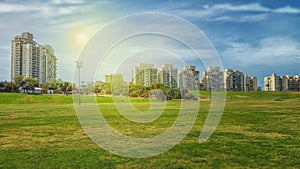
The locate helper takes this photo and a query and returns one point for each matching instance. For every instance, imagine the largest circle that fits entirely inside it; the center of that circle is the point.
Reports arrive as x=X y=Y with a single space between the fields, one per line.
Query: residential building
x=29 y=59
x=213 y=79
x=109 y=78
x=234 y=80
x=189 y=78
x=47 y=64
x=168 y=75
x=285 y=83
x=271 y=83
x=144 y=74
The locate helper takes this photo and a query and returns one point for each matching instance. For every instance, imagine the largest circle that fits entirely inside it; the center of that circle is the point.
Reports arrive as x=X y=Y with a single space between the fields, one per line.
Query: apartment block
x=189 y=78
x=285 y=83
x=30 y=59
x=234 y=80
x=213 y=79
x=230 y=80
x=168 y=75
x=144 y=74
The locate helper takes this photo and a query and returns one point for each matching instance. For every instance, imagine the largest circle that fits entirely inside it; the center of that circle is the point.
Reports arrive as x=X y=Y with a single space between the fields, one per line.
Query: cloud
x=246 y=18
x=269 y=51
x=67 y=1
x=12 y=8
x=56 y=8
x=244 y=7
x=288 y=10
x=253 y=7
x=221 y=12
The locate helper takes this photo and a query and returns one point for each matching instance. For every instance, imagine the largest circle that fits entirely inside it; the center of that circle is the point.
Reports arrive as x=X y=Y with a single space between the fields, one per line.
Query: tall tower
x=29 y=59
x=189 y=78
x=144 y=74
x=21 y=52
x=168 y=75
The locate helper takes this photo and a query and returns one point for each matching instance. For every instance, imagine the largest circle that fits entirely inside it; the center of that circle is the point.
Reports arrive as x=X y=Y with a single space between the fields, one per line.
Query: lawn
x=42 y=131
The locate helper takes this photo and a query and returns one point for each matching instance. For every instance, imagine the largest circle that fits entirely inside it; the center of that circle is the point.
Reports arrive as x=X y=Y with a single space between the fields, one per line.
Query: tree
x=30 y=83
x=19 y=79
x=98 y=87
x=11 y=87
x=45 y=87
x=66 y=87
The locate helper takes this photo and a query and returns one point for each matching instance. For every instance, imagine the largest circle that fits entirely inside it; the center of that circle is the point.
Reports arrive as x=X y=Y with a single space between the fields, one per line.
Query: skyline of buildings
x=229 y=80
x=285 y=83
x=30 y=59
x=213 y=79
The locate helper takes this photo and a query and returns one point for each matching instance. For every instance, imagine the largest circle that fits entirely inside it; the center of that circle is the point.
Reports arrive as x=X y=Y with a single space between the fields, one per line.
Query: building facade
x=285 y=83
x=189 y=78
x=213 y=79
x=230 y=80
x=168 y=75
x=29 y=59
x=144 y=74
x=47 y=64
x=234 y=80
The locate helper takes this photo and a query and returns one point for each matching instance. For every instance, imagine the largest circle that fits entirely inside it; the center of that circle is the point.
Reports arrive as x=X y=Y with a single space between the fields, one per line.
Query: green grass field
x=42 y=131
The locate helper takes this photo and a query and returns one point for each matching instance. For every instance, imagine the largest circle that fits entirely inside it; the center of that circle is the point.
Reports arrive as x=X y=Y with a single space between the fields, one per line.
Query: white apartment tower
x=213 y=79
x=285 y=83
x=47 y=64
x=144 y=74
x=29 y=59
x=168 y=75
x=189 y=78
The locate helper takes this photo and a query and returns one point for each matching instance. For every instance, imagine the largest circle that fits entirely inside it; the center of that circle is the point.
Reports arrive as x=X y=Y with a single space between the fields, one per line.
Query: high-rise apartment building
x=47 y=64
x=168 y=75
x=285 y=83
x=213 y=79
x=29 y=59
x=230 y=80
x=234 y=80
x=144 y=74
x=189 y=78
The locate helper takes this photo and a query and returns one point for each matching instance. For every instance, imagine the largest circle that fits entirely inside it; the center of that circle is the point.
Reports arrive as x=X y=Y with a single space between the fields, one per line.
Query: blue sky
x=256 y=37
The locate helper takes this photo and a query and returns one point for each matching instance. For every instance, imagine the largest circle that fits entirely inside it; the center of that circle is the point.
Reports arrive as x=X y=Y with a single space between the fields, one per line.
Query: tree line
x=26 y=84
x=155 y=90
x=58 y=86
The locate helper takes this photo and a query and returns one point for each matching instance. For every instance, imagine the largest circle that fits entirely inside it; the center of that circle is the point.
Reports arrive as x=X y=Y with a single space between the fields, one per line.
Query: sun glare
x=79 y=37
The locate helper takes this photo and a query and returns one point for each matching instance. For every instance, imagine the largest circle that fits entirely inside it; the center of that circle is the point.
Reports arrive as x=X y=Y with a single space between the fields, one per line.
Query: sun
x=79 y=37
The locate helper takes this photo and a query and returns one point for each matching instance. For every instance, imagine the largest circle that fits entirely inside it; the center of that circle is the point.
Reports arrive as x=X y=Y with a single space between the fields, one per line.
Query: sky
x=256 y=37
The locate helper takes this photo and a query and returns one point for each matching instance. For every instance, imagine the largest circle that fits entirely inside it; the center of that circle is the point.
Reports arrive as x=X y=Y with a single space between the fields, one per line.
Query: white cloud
x=45 y=9
x=269 y=51
x=10 y=8
x=253 y=18
x=217 y=12
x=288 y=10
x=246 y=18
x=67 y=1
x=244 y=7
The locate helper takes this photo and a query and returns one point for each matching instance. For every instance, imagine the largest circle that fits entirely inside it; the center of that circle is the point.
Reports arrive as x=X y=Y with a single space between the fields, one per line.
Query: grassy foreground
x=42 y=131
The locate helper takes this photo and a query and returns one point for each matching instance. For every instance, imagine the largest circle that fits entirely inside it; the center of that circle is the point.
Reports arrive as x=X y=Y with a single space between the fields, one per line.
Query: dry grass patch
x=245 y=130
